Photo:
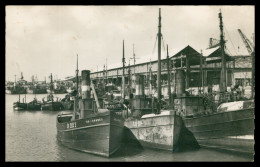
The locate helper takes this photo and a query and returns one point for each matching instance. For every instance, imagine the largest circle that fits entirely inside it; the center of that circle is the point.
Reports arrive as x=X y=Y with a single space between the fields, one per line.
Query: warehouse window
x=243 y=81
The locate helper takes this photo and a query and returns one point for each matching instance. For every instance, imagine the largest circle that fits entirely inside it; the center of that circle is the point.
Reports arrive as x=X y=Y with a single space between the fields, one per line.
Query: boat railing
x=218 y=98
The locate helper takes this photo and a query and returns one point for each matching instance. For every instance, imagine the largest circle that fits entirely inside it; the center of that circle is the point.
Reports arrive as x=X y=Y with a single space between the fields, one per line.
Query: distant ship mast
x=77 y=78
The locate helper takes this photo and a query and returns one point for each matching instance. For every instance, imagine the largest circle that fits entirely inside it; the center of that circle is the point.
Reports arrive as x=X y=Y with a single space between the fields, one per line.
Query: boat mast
x=123 y=76
x=159 y=61
x=77 y=78
x=104 y=85
x=223 y=85
x=150 y=79
x=253 y=70
x=51 y=88
x=134 y=58
x=129 y=80
x=106 y=72
x=169 y=75
x=75 y=108
x=201 y=73
x=14 y=81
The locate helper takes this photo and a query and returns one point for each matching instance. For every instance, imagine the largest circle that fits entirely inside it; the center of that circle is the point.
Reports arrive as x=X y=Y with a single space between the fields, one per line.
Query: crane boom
x=247 y=43
x=251 y=51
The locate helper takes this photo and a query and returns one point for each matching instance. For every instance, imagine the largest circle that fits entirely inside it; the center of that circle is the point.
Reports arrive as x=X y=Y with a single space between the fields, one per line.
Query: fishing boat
x=60 y=90
x=20 y=106
x=151 y=126
x=51 y=104
x=219 y=120
x=147 y=123
x=68 y=101
x=89 y=128
x=36 y=89
x=226 y=126
x=34 y=105
x=16 y=90
x=18 y=87
x=231 y=127
x=57 y=90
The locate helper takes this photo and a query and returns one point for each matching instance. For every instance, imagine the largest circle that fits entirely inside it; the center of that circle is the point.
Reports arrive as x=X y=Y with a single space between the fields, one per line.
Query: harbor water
x=31 y=136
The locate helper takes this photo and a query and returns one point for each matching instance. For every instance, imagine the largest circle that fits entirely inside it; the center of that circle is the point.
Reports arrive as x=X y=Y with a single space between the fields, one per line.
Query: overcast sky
x=46 y=39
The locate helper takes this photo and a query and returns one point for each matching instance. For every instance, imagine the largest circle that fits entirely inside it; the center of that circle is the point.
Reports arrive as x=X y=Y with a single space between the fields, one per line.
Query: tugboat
x=148 y=123
x=89 y=128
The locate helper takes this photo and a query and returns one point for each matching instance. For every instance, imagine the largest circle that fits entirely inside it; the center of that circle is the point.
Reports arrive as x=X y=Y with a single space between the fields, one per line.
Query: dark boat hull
x=19 y=106
x=157 y=132
x=100 y=135
x=52 y=106
x=36 y=91
x=62 y=91
x=36 y=106
x=26 y=106
x=232 y=130
x=18 y=91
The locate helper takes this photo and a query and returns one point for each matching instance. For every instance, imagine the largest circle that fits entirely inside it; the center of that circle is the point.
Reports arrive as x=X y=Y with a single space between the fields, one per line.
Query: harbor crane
x=248 y=44
x=251 y=50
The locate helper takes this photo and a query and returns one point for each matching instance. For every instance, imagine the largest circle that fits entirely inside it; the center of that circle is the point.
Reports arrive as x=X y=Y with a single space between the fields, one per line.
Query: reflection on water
x=31 y=136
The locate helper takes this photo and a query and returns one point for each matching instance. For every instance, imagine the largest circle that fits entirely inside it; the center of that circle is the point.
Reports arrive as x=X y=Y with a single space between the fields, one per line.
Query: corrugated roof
x=147 y=58
x=154 y=57
x=207 y=52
